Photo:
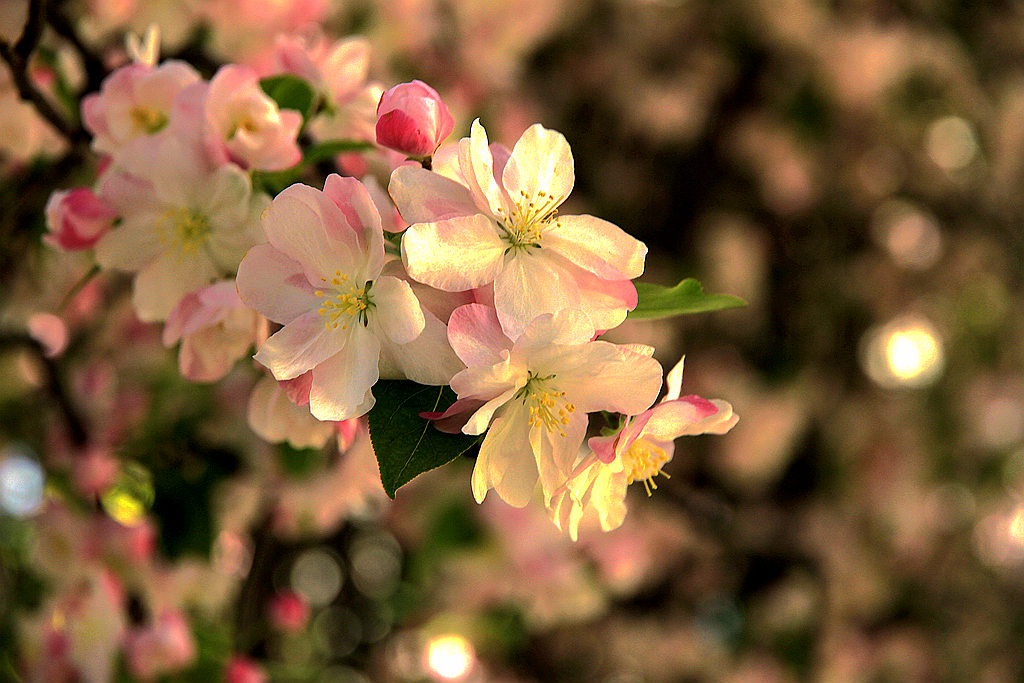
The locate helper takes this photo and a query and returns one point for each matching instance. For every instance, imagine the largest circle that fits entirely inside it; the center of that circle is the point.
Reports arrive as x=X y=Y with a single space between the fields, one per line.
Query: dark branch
x=75 y=424
x=95 y=70
x=18 y=57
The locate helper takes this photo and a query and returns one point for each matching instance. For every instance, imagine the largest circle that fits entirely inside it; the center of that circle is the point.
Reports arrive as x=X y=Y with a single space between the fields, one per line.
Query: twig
x=18 y=57
x=75 y=424
x=95 y=70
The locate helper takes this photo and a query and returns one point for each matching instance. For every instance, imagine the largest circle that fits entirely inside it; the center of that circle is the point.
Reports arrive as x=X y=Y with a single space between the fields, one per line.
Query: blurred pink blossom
x=77 y=219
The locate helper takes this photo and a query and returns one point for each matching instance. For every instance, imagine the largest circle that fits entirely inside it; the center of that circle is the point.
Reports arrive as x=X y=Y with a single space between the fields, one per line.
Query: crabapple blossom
x=215 y=329
x=289 y=611
x=535 y=393
x=501 y=225
x=274 y=417
x=77 y=219
x=636 y=452
x=320 y=277
x=134 y=101
x=183 y=224
x=162 y=647
x=241 y=669
x=243 y=118
x=412 y=119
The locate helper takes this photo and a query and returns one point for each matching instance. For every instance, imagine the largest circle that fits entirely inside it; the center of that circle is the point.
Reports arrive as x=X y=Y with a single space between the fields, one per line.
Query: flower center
x=148 y=119
x=643 y=462
x=525 y=223
x=343 y=301
x=189 y=230
x=548 y=407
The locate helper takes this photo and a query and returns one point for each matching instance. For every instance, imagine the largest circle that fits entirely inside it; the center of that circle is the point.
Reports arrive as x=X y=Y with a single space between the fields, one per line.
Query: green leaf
x=290 y=92
x=331 y=148
x=406 y=444
x=685 y=298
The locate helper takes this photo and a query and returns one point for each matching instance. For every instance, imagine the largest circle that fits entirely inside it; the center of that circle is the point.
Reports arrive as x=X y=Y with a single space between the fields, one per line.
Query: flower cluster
x=463 y=274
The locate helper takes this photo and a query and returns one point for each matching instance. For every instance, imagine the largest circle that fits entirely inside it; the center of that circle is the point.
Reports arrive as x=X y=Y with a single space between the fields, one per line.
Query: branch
x=95 y=70
x=75 y=424
x=18 y=57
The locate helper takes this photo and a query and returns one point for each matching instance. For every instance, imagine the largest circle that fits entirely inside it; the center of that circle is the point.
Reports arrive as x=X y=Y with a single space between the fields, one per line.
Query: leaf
x=656 y=301
x=290 y=92
x=406 y=444
x=332 y=148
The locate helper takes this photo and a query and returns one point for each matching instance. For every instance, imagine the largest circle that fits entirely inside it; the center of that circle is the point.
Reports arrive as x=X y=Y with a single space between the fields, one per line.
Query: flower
x=276 y=418
x=320 y=277
x=501 y=225
x=535 y=394
x=636 y=452
x=183 y=224
x=215 y=329
x=289 y=611
x=134 y=101
x=161 y=648
x=412 y=119
x=77 y=219
x=254 y=132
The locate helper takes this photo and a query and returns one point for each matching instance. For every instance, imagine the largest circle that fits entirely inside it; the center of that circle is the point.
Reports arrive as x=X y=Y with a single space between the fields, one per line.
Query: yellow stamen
x=548 y=407
x=147 y=120
x=342 y=301
x=525 y=222
x=643 y=462
x=186 y=229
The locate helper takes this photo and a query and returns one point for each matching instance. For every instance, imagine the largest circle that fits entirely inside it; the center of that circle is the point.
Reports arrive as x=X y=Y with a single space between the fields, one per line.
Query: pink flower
x=215 y=329
x=501 y=225
x=134 y=101
x=77 y=219
x=320 y=277
x=412 y=119
x=255 y=133
x=184 y=224
x=289 y=611
x=637 y=452
x=241 y=669
x=276 y=418
x=163 y=647
x=535 y=394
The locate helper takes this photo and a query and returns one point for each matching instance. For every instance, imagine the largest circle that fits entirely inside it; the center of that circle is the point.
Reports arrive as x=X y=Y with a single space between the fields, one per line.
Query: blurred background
x=850 y=168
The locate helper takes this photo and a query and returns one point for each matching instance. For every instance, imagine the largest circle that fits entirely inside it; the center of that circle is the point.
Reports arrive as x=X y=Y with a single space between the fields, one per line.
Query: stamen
x=340 y=305
x=643 y=462
x=548 y=407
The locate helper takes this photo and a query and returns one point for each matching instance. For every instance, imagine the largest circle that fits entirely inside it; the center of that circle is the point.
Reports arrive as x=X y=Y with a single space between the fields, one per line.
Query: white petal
x=275 y=285
x=506 y=462
x=300 y=345
x=528 y=286
x=427 y=359
x=603 y=376
x=454 y=255
x=423 y=196
x=674 y=381
x=598 y=246
x=161 y=284
x=341 y=385
x=397 y=310
x=554 y=453
x=541 y=161
x=133 y=244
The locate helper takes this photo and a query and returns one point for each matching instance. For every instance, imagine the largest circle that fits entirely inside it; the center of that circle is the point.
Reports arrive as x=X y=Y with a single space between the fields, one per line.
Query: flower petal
x=161 y=284
x=308 y=228
x=301 y=345
x=423 y=196
x=341 y=384
x=555 y=451
x=427 y=359
x=397 y=310
x=454 y=254
x=132 y=245
x=475 y=334
x=477 y=165
x=603 y=376
x=275 y=285
x=505 y=462
x=598 y=246
x=528 y=286
x=356 y=205
x=541 y=161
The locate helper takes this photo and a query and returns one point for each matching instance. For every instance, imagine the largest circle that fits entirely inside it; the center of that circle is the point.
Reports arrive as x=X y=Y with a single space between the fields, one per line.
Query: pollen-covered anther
x=340 y=305
x=186 y=229
x=550 y=410
x=643 y=462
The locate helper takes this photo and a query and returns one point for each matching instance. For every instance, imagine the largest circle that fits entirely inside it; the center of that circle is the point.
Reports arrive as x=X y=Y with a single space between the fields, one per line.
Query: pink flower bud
x=412 y=119
x=288 y=611
x=77 y=218
x=241 y=669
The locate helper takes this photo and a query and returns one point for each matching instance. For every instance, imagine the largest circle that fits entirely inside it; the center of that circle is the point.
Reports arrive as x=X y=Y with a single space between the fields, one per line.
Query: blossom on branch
x=320 y=277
